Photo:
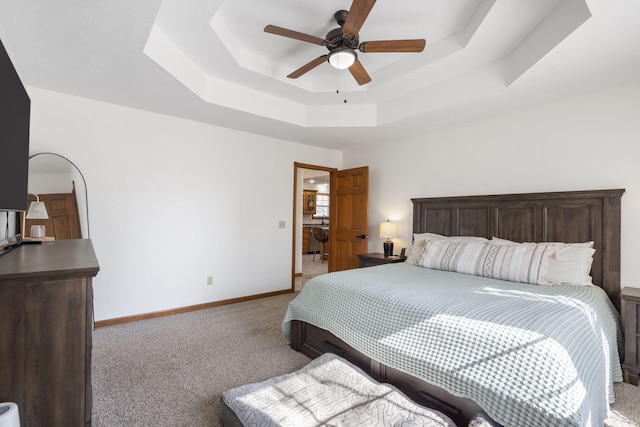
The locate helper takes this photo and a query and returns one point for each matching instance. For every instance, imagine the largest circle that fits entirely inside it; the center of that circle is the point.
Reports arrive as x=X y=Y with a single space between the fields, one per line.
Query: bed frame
x=572 y=216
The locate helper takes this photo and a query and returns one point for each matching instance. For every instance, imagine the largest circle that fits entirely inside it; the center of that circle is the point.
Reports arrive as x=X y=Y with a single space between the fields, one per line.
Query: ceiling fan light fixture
x=342 y=58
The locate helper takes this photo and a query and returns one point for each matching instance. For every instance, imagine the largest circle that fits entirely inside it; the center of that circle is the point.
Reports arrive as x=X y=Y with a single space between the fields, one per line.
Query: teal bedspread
x=529 y=355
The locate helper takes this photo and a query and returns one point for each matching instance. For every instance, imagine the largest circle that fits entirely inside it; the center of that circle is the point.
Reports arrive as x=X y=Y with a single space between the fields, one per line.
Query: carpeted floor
x=171 y=371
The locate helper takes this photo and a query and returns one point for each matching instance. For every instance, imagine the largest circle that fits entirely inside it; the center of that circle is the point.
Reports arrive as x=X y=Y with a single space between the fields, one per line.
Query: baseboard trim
x=135 y=318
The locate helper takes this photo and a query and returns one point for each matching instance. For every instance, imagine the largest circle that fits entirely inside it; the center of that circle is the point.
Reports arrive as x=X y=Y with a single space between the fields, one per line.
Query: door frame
x=294 y=223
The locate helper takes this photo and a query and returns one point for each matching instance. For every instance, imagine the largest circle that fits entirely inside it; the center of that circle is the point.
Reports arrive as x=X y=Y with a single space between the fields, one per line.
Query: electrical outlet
x=209 y=280
x=281 y=224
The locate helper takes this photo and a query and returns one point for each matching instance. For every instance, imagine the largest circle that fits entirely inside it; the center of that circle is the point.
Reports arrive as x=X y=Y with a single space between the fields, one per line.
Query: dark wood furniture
x=575 y=216
x=631 y=322
x=306 y=239
x=46 y=323
x=369 y=260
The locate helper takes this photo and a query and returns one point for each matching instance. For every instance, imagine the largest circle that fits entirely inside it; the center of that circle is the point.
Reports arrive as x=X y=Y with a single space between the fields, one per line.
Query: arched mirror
x=57 y=181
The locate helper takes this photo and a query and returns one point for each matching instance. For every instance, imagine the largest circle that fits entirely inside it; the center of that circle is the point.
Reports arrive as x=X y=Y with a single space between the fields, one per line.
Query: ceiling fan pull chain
x=345 y=91
x=338 y=85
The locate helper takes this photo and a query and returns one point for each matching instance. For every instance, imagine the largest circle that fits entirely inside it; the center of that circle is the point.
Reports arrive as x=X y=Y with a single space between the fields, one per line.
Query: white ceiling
x=211 y=61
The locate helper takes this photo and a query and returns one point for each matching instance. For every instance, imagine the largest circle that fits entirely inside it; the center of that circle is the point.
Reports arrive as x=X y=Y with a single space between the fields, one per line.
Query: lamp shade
x=37 y=210
x=342 y=58
x=387 y=229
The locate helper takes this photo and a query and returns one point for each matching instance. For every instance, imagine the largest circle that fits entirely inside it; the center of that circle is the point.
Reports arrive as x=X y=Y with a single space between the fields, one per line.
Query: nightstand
x=368 y=260
x=631 y=322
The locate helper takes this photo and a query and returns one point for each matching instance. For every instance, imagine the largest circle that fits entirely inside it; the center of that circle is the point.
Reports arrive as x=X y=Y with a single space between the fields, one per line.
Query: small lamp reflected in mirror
x=388 y=231
x=37 y=210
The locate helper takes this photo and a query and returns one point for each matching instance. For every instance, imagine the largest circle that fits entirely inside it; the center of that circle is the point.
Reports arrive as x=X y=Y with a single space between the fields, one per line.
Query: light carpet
x=171 y=371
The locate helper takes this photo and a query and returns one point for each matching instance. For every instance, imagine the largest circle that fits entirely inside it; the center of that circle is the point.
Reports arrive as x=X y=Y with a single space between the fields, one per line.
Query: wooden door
x=63 y=222
x=349 y=227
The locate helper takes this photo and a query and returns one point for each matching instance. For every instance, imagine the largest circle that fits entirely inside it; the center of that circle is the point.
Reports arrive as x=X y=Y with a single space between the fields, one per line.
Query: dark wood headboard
x=570 y=216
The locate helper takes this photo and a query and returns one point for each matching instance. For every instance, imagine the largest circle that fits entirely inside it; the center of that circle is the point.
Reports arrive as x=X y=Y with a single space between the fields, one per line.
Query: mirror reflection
x=57 y=181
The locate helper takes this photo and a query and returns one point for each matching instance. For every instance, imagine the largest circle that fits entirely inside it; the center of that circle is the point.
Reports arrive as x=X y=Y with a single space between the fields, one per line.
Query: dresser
x=46 y=326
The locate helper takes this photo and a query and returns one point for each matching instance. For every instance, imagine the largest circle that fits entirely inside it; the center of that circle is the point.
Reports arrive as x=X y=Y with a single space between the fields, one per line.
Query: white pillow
x=498 y=241
x=571 y=262
x=433 y=236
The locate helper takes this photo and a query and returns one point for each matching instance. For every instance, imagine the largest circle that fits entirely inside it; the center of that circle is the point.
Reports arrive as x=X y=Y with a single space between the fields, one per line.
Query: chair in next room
x=321 y=236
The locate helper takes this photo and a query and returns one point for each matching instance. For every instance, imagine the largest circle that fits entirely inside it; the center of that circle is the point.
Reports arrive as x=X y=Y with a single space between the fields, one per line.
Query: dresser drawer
x=457 y=408
x=316 y=341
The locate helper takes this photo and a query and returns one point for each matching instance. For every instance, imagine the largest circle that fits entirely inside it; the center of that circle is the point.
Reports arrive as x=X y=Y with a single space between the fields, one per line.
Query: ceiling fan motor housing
x=336 y=40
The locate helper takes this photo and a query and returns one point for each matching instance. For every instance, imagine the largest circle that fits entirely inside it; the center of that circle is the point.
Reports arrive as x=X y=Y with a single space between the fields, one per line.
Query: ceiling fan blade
x=293 y=34
x=308 y=67
x=359 y=73
x=416 y=45
x=357 y=15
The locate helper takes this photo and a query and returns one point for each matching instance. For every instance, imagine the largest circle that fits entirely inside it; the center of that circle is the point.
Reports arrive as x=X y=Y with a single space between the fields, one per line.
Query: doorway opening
x=312 y=190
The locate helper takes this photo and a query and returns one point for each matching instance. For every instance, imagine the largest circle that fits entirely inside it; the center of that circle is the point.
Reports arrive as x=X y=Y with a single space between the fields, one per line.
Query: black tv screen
x=15 y=109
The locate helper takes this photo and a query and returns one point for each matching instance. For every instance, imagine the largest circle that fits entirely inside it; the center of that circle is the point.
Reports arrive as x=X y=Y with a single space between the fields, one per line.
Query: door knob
x=362 y=236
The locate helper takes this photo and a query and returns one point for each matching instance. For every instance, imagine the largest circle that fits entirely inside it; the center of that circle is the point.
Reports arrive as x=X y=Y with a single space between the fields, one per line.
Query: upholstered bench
x=327 y=391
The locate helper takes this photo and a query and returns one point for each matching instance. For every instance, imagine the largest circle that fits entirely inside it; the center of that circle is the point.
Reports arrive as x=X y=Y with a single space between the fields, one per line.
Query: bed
x=522 y=353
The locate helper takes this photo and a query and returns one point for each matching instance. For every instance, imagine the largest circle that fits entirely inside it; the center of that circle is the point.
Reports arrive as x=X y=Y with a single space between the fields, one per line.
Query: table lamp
x=388 y=230
x=37 y=210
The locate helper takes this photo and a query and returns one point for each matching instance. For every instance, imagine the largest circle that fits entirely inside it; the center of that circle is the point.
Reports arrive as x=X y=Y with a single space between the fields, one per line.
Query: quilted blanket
x=329 y=391
x=529 y=355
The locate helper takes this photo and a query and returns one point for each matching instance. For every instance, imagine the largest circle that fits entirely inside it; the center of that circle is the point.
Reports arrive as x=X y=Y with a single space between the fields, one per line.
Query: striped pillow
x=420 y=240
x=452 y=255
x=523 y=263
x=571 y=262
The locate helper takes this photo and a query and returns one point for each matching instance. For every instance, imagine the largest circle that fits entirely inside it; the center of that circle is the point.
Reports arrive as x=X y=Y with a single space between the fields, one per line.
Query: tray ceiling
x=212 y=62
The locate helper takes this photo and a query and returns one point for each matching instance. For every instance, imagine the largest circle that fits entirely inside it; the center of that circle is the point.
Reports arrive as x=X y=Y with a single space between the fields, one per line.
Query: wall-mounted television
x=15 y=110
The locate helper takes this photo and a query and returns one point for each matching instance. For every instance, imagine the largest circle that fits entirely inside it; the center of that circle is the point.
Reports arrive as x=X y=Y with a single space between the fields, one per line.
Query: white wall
x=590 y=142
x=173 y=201
x=48 y=183
x=10 y=229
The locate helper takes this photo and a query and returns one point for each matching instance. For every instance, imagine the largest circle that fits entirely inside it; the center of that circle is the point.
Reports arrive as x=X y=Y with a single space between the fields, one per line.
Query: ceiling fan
x=343 y=42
